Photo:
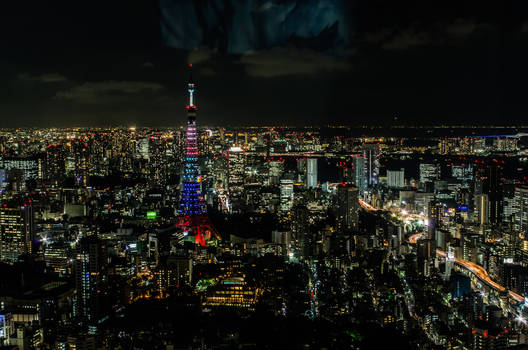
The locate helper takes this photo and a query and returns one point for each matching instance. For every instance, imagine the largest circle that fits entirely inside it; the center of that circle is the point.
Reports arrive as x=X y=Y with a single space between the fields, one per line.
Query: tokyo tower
x=193 y=219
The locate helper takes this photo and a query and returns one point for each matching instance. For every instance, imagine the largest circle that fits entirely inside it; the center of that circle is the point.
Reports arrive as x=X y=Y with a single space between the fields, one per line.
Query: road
x=478 y=270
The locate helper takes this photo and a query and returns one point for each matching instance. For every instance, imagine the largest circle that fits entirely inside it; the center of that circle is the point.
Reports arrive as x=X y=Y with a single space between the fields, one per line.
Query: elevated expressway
x=477 y=270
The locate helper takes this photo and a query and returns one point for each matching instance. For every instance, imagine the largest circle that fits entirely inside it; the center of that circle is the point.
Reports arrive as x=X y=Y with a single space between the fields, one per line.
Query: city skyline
x=263 y=174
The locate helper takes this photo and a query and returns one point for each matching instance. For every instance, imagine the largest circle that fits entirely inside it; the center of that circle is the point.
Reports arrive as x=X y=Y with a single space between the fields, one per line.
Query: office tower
x=301 y=170
x=347 y=207
x=232 y=292
x=16 y=231
x=89 y=268
x=193 y=220
x=56 y=256
x=31 y=167
x=311 y=173
x=286 y=194
x=142 y=148
x=488 y=180
x=2 y=178
x=428 y=174
x=235 y=178
x=276 y=168
x=371 y=155
x=396 y=178
x=520 y=208
x=462 y=172
x=300 y=230
x=360 y=174
x=172 y=271
x=434 y=223
x=481 y=209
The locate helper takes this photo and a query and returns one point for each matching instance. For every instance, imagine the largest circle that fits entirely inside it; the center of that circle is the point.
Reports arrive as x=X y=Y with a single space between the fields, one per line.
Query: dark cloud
x=44 y=78
x=461 y=27
x=148 y=65
x=407 y=39
x=96 y=92
x=241 y=27
x=285 y=62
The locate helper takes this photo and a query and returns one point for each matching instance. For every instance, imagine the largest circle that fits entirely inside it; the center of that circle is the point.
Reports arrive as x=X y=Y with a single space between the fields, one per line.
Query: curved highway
x=478 y=270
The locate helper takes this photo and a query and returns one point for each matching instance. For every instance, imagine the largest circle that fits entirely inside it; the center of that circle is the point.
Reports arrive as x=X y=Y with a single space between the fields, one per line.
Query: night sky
x=124 y=62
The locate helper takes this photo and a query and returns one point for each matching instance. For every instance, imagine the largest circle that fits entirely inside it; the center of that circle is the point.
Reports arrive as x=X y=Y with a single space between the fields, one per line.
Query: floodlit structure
x=193 y=219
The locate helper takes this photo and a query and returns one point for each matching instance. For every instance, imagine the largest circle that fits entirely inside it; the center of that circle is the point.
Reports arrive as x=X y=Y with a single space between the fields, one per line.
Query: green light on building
x=151 y=214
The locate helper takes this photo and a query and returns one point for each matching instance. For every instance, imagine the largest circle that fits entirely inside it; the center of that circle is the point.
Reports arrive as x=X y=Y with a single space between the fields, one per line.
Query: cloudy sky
x=263 y=62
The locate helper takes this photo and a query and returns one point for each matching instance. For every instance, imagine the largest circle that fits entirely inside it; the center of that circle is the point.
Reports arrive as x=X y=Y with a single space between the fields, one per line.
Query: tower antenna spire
x=190 y=86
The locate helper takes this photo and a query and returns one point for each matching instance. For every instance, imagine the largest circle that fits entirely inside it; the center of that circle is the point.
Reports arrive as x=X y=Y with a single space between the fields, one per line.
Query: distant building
x=32 y=168
x=16 y=231
x=235 y=180
x=371 y=155
x=481 y=209
x=396 y=178
x=347 y=207
x=89 y=267
x=360 y=174
x=233 y=292
x=428 y=174
x=488 y=180
x=520 y=208
x=56 y=256
x=286 y=194
x=311 y=173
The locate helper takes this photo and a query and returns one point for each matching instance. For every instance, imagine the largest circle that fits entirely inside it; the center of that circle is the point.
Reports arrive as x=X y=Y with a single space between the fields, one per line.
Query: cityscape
x=197 y=237
x=263 y=174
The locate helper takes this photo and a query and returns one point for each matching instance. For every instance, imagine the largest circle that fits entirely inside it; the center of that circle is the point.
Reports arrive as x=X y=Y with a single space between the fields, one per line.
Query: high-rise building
x=142 y=148
x=311 y=173
x=428 y=174
x=360 y=174
x=462 y=172
x=16 y=231
x=286 y=194
x=488 y=180
x=31 y=167
x=371 y=155
x=434 y=218
x=347 y=207
x=520 y=208
x=481 y=209
x=276 y=168
x=235 y=179
x=89 y=270
x=396 y=178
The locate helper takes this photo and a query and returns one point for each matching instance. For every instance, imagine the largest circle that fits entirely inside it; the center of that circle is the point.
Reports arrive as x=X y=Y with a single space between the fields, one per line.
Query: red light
x=190 y=65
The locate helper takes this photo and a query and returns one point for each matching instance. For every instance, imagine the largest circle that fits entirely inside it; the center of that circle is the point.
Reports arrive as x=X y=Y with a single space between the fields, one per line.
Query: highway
x=478 y=270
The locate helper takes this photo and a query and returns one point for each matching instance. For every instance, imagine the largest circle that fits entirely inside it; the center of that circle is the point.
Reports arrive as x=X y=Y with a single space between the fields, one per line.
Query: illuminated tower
x=193 y=219
x=192 y=199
